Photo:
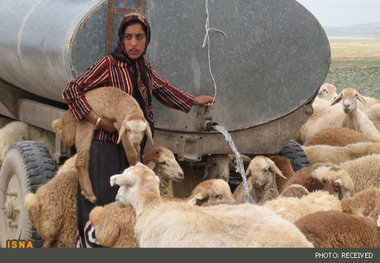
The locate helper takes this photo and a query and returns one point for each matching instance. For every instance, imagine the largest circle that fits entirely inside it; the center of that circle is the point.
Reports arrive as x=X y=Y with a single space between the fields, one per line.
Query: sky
x=336 y=13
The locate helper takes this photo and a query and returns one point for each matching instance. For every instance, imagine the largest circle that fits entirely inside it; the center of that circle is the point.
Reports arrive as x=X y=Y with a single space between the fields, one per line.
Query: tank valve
x=208 y=125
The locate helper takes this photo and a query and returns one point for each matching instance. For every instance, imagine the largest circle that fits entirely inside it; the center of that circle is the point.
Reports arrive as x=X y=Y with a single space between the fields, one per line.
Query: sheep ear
x=378 y=220
x=363 y=101
x=122 y=130
x=148 y=133
x=195 y=200
x=276 y=170
x=339 y=98
x=122 y=179
x=151 y=164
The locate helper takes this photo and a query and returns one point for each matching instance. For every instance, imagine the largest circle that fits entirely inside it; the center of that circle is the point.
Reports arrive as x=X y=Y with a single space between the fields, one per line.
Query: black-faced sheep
x=178 y=224
x=130 y=123
x=335 y=229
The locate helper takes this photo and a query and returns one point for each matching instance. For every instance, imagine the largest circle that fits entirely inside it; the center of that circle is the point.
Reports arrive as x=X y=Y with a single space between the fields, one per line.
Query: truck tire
x=26 y=166
x=295 y=154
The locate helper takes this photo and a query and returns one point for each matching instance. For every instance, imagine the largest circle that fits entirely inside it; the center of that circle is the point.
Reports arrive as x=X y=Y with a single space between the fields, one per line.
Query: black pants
x=106 y=159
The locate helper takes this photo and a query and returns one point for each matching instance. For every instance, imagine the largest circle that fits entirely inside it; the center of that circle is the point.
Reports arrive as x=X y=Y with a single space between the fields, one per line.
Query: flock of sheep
x=334 y=202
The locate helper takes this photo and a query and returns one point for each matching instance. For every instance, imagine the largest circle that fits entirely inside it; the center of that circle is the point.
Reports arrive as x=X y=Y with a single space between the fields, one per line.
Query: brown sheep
x=334 y=229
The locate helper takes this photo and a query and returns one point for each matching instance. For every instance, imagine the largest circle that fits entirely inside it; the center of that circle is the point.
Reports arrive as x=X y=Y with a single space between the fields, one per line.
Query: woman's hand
x=203 y=99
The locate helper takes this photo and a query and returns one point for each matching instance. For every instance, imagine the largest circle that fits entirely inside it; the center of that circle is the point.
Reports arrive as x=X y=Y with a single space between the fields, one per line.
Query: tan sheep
x=178 y=224
x=130 y=123
x=338 y=137
x=364 y=172
x=327 y=177
x=338 y=154
x=292 y=208
x=114 y=225
x=52 y=209
x=364 y=203
x=335 y=229
x=261 y=178
x=327 y=92
x=294 y=190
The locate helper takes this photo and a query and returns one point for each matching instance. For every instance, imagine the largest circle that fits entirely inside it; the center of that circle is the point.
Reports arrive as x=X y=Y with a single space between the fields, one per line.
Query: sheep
x=328 y=177
x=52 y=210
x=114 y=225
x=373 y=114
x=261 y=174
x=162 y=161
x=217 y=166
x=338 y=154
x=327 y=92
x=286 y=169
x=292 y=208
x=108 y=102
x=335 y=229
x=364 y=203
x=20 y=131
x=179 y=224
x=355 y=118
x=364 y=172
x=294 y=190
x=340 y=136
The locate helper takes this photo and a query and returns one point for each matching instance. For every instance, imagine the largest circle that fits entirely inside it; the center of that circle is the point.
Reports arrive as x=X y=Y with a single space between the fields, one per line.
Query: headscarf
x=142 y=85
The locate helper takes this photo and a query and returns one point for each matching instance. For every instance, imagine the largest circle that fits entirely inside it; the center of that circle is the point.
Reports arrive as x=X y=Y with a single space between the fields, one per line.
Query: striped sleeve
x=171 y=96
x=95 y=76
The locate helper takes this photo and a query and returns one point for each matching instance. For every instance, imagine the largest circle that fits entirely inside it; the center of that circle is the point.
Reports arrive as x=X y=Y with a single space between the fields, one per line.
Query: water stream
x=239 y=160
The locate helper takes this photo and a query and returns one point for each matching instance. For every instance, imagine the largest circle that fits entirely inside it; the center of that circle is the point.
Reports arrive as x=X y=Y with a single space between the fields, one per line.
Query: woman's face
x=134 y=40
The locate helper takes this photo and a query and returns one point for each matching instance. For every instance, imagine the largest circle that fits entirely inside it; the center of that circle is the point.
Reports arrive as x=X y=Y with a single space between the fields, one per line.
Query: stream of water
x=239 y=160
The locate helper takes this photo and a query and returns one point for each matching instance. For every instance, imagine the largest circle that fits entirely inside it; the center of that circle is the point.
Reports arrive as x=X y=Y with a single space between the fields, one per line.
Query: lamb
x=52 y=210
x=364 y=203
x=327 y=92
x=162 y=161
x=20 y=131
x=340 y=136
x=286 y=169
x=335 y=229
x=327 y=177
x=262 y=173
x=292 y=208
x=130 y=123
x=355 y=118
x=364 y=172
x=294 y=190
x=338 y=154
x=373 y=114
x=114 y=225
x=178 y=224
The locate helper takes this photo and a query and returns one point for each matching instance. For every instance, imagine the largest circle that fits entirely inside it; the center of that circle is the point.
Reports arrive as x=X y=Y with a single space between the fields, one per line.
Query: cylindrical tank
x=268 y=57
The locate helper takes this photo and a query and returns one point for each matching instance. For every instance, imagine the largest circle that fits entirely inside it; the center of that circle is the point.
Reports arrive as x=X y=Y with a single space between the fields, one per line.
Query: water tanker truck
x=268 y=59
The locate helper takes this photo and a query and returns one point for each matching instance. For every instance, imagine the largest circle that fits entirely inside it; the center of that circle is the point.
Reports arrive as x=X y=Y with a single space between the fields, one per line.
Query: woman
x=126 y=69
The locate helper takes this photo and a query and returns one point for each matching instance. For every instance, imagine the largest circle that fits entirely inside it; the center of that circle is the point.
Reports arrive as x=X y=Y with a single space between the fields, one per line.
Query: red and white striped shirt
x=107 y=71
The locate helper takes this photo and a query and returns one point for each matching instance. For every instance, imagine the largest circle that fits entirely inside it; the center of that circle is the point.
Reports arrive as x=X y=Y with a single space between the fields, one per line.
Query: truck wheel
x=26 y=166
x=295 y=154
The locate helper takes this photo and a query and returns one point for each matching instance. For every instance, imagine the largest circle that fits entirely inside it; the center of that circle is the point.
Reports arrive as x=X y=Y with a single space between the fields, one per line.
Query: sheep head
x=217 y=167
x=135 y=128
x=131 y=181
x=162 y=161
x=263 y=171
x=328 y=92
x=65 y=127
x=212 y=190
x=349 y=97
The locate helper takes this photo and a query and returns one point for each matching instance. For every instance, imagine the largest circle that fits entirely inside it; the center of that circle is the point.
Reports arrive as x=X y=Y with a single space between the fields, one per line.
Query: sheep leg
x=132 y=155
x=83 y=143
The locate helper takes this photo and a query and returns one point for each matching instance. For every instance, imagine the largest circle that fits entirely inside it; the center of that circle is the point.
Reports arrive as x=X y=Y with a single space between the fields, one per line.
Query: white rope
x=206 y=40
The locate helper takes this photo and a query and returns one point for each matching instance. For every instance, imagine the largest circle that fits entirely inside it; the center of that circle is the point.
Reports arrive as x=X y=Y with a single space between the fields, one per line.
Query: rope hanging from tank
x=206 y=40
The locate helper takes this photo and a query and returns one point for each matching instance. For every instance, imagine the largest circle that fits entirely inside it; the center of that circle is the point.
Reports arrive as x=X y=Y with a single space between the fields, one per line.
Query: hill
x=355 y=30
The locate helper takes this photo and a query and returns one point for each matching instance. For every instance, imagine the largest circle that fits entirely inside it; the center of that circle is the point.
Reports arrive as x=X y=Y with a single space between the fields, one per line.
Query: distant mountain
x=356 y=30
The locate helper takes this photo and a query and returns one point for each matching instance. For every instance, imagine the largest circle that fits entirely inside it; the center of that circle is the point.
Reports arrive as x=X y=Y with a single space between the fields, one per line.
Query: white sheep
x=20 y=131
x=262 y=180
x=335 y=229
x=364 y=171
x=373 y=114
x=293 y=208
x=337 y=154
x=52 y=209
x=327 y=177
x=114 y=225
x=340 y=136
x=327 y=92
x=355 y=118
x=130 y=123
x=178 y=224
